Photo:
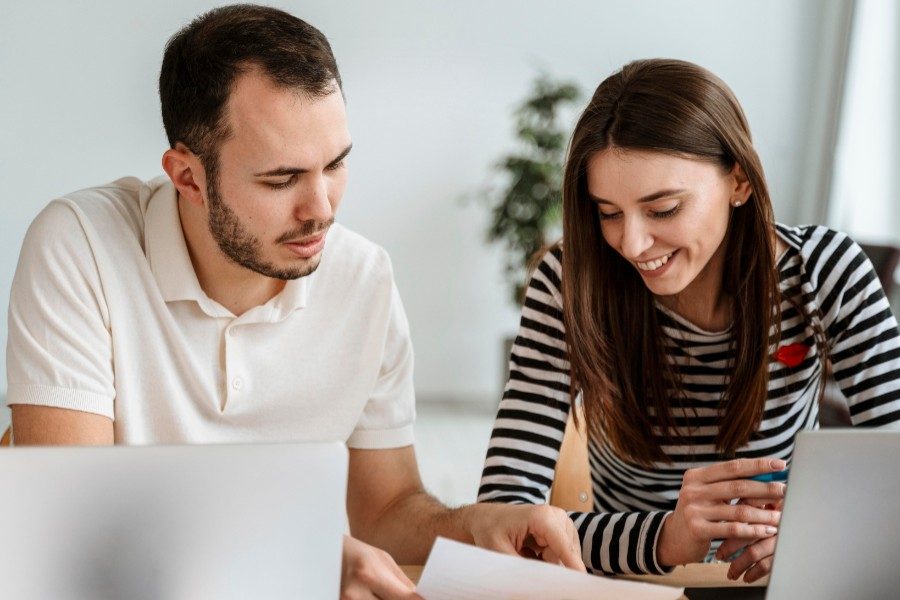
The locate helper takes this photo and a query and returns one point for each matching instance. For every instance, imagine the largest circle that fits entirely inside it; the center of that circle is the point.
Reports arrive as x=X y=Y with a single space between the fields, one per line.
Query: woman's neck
x=703 y=302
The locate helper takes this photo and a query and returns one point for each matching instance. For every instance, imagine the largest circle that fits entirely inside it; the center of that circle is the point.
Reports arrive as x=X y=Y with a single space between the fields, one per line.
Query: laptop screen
x=839 y=535
x=218 y=521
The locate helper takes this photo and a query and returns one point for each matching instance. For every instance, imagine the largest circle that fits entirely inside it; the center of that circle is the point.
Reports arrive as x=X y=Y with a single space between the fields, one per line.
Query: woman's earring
x=736 y=203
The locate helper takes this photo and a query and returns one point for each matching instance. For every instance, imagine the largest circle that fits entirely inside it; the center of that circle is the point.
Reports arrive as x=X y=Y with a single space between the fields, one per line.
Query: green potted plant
x=526 y=208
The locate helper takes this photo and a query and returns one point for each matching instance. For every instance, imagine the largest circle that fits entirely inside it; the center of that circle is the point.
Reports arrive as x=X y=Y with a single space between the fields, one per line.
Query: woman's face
x=666 y=215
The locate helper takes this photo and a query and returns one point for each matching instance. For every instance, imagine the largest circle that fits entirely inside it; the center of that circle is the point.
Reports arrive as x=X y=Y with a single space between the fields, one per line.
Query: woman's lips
x=659 y=270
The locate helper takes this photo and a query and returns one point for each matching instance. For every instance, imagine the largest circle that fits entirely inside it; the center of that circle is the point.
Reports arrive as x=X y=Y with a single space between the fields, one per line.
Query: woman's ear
x=740 y=185
x=186 y=172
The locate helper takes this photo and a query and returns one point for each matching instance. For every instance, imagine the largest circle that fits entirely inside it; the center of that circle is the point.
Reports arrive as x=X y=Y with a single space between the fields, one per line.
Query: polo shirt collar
x=170 y=262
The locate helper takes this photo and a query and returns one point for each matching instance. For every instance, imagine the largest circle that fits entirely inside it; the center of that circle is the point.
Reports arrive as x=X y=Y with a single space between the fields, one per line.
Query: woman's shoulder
x=547 y=265
x=810 y=240
x=818 y=249
x=807 y=237
x=551 y=254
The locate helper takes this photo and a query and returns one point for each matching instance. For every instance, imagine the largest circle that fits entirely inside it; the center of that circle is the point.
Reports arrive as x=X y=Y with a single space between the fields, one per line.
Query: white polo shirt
x=106 y=316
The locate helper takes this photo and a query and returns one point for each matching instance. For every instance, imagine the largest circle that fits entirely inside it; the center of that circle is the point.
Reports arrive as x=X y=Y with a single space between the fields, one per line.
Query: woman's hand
x=755 y=561
x=705 y=511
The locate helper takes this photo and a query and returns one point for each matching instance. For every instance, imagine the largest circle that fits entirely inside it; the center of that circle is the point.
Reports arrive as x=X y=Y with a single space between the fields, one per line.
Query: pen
x=769 y=477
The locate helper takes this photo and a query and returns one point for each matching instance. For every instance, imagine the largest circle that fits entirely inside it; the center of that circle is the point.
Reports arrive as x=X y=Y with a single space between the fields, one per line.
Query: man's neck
x=236 y=288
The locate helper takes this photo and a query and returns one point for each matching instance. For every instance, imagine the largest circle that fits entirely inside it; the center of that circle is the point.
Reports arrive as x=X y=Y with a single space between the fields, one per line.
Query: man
x=222 y=303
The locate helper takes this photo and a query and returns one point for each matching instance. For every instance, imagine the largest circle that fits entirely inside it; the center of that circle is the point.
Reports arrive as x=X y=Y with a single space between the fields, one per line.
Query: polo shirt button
x=237 y=383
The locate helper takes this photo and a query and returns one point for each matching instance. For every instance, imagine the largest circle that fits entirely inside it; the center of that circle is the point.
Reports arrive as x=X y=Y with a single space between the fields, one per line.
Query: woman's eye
x=607 y=216
x=335 y=166
x=662 y=214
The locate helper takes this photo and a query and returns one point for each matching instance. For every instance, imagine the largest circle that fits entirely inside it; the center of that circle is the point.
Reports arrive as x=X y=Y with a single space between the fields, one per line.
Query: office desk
x=701 y=582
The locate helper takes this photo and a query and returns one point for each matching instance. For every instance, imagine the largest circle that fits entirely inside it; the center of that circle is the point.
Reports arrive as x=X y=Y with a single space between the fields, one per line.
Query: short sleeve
x=59 y=349
x=387 y=420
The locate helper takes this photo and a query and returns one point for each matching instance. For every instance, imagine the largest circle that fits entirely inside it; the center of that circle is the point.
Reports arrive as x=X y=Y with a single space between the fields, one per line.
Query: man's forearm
x=408 y=527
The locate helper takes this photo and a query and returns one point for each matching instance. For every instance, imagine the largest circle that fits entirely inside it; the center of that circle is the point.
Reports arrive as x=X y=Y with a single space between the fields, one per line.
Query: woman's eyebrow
x=647 y=198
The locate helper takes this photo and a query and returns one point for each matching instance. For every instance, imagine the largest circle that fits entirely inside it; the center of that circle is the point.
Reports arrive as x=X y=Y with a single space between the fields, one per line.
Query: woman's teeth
x=655 y=264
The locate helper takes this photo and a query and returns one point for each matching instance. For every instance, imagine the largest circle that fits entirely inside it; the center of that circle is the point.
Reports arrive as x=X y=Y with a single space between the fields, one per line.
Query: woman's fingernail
x=771 y=530
x=778 y=465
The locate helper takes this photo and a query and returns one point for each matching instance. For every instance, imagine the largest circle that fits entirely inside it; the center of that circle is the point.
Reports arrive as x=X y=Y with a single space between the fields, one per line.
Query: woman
x=696 y=330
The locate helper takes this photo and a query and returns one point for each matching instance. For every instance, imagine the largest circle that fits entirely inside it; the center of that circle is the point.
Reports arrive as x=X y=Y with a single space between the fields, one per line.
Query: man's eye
x=280 y=185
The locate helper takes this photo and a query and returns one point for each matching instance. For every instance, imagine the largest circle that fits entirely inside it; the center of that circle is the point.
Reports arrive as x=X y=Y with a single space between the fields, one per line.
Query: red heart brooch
x=792 y=354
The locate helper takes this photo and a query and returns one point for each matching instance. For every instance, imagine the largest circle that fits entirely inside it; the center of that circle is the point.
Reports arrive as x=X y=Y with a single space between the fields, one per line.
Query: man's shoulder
x=352 y=256
x=91 y=225
x=113 y=208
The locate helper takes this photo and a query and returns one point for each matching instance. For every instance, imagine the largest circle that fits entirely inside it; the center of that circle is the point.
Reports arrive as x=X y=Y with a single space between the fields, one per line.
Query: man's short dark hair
x=202 y=61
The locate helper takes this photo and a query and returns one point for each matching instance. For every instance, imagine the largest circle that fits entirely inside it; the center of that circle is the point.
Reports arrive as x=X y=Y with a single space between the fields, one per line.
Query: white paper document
x=456 y=571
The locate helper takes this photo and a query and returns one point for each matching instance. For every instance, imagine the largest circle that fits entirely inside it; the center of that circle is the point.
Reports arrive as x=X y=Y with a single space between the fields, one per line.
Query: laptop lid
x=840 y=529
x=193 y=522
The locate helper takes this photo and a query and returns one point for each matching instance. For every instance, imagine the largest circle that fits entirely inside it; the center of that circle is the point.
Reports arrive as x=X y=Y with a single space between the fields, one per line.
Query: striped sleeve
x=864 y=341
x=531 y=420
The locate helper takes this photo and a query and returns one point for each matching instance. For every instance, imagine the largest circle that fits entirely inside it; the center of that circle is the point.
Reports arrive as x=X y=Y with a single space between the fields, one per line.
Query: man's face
x=281 y=176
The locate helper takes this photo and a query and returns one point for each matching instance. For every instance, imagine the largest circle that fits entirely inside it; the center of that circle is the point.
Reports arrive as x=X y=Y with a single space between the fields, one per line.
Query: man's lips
x=307 y=247
x=307 y=240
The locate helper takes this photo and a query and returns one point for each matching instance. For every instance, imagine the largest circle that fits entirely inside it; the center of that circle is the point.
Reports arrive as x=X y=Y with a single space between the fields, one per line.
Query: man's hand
x=540 y=531
x=387 y=506
x=369 y=573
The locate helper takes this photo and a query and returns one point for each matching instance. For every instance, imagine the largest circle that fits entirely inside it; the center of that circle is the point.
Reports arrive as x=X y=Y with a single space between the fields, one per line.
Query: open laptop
x=840 y=530
x=191 y=522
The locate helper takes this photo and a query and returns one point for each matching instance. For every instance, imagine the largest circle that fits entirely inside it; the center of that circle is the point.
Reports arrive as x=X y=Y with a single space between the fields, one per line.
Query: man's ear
x=742 y=189
x=185 y=170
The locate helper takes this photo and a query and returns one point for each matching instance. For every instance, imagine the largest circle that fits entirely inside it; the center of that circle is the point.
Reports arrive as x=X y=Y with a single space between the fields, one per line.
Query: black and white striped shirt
x=820 y=268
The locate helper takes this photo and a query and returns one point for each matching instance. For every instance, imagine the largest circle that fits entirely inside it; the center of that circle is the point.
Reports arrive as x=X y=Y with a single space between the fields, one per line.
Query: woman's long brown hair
x=615 y=341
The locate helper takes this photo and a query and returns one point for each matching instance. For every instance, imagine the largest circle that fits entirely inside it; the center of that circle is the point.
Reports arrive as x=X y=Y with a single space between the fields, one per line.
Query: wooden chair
x=571 y=489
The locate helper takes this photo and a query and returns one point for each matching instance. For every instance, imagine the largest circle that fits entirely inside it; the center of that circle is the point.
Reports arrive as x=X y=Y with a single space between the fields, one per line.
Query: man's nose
x=314 y=204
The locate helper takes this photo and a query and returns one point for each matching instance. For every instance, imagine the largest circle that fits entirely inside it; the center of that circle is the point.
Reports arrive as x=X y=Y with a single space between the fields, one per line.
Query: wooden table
x=709 y=575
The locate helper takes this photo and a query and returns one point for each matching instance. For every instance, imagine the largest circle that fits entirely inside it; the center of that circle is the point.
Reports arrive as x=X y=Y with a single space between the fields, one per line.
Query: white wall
x=430 y=86
x=866 y=178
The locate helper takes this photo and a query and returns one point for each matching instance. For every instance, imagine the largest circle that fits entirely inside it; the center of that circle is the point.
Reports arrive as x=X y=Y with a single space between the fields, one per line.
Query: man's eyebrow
x=647 y=198
x=282 y=171
x=341 y=156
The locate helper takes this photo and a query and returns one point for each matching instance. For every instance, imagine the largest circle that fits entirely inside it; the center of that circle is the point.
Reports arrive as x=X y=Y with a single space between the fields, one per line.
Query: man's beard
x=245 y=249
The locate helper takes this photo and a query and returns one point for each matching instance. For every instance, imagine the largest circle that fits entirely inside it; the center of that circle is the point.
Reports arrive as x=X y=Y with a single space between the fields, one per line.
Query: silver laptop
x=173 y=522
x=840 y=530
